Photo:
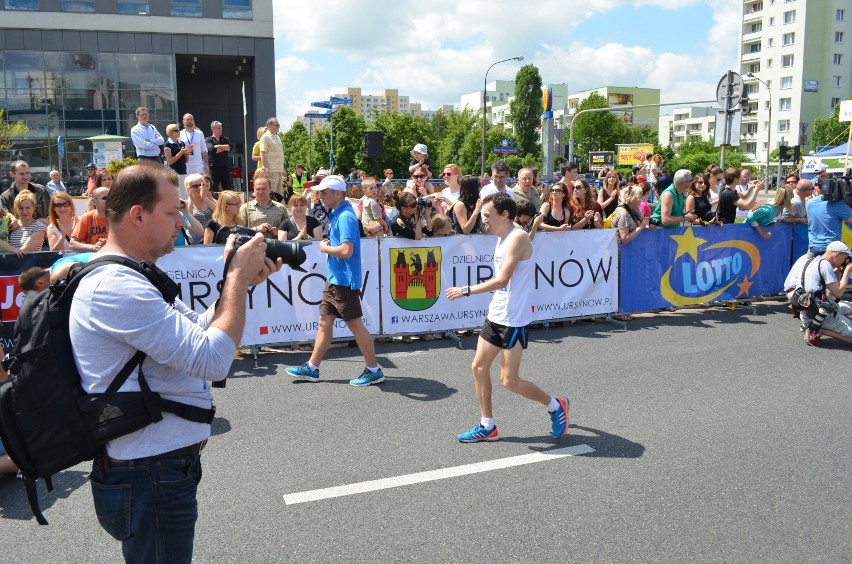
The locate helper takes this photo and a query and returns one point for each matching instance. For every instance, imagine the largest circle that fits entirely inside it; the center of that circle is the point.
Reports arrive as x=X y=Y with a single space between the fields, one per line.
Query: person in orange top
x=90 y=233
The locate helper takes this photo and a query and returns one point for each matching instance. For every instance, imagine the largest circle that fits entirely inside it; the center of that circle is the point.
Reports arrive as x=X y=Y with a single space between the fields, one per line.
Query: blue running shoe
x=559 y=419
x=366 y=378
x=303 y=373
x=479 y=434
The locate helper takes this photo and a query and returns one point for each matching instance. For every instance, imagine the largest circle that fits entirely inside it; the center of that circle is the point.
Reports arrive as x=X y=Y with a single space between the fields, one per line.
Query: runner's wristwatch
x=465 y=290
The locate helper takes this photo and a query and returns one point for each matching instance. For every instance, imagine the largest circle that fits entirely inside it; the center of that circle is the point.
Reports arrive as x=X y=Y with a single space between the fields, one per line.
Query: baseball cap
x=91 y=165
x=321 y=172
x=838 y=247
x=420 y=148
x=332 y=183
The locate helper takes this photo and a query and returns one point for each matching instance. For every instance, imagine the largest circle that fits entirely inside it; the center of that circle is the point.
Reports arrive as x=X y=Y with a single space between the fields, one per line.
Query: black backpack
x=47 y=420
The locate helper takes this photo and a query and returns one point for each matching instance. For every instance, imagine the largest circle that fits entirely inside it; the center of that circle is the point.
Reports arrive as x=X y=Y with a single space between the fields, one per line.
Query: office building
x=80 y=68
x=685 y=123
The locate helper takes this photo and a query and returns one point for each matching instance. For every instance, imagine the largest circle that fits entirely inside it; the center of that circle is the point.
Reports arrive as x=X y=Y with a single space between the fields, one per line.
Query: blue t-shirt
x=825 y=221
x=344 y=227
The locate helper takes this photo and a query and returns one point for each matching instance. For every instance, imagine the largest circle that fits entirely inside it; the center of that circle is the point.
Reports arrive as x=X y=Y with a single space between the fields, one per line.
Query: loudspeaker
x=374 y=144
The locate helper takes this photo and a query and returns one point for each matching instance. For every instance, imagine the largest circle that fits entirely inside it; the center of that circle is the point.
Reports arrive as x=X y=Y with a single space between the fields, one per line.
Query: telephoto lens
x=291 y=253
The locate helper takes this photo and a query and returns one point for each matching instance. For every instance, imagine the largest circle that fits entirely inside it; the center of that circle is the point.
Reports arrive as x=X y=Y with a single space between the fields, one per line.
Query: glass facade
x=21 y=4
x=82 y=94
x=187 y=8
x=237 y=9
x=132 y=7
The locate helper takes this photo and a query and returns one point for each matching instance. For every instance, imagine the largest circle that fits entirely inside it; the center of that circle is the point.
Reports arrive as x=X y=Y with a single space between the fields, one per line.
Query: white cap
x=321 y=172
x=838 y=247
x=420 y=148
x=332 y=183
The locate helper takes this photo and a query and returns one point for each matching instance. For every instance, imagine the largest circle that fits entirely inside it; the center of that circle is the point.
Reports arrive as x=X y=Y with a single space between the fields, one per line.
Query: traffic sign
x=845 y=110
x=60 y=144
x=322 y=104
x=341 y=101
x=734 y=85
x=326 y=116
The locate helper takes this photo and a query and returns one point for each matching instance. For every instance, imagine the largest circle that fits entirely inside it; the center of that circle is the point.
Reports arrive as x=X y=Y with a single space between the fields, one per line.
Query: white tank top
x=512 y=305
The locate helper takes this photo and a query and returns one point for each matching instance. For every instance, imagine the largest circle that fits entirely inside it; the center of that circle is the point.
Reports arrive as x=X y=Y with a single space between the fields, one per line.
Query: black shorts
x=340 y=301
x=503 y=336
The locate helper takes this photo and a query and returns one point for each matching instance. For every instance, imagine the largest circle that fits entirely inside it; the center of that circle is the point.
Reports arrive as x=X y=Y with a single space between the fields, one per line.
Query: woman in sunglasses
x=556 y=211
x=62 y=219
x=199 y=204
x=586 y=211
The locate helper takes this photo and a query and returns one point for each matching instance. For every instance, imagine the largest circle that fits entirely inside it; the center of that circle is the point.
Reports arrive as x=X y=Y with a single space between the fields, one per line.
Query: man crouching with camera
x=144 y=486
x=815 y=291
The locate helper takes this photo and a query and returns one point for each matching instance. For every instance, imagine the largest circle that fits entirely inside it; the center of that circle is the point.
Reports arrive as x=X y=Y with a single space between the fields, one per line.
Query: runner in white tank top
x=505 y=328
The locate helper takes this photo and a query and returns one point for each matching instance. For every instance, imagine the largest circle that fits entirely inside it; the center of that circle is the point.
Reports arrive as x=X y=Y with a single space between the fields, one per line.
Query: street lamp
x=484 y=101
x=769 y=129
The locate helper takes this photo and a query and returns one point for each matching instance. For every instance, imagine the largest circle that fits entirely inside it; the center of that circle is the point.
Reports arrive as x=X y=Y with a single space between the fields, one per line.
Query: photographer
x=823 y=290
x=825 y=219
x=412 y=221
x=116 y=312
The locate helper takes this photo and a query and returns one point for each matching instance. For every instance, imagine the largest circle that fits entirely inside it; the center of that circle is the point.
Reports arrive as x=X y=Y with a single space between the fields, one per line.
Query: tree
x=297 y=146
x=402 y=133
x=695 y=154
x=599 y=131
x=471 y=148
x=458 y=126
x=830 y=131
x=8 y=131
x=349 y=130
x=525 y=109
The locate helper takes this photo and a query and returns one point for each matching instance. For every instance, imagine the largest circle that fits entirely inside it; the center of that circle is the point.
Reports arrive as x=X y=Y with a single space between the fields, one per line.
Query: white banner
x=283 y=309
x=576 y=275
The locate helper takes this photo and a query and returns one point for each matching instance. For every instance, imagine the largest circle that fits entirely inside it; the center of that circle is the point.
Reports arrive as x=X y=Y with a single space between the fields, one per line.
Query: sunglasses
x=61 y=205
x=420 y=176
x=446 y=174
x=558 y=191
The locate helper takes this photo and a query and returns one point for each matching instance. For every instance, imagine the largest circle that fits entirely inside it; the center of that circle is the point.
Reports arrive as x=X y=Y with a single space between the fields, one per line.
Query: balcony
x=749 y=57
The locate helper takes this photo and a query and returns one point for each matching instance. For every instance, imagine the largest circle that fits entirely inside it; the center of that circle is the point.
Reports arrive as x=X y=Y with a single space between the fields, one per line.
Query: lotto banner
x=697 y=265
x=284 y=308
x=576 y=274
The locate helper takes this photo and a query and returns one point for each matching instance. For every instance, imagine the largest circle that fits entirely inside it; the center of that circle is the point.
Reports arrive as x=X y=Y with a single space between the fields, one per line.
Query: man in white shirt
x=55 y=185
x=196 y=159
x=499 y=181
x=146 y=138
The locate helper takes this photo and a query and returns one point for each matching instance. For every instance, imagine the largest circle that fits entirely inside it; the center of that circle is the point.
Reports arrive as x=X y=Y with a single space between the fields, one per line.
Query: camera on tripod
x=838 y=189
x=291 y=253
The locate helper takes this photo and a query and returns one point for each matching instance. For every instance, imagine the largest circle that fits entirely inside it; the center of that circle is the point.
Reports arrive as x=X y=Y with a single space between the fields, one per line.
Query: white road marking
x=432 y=475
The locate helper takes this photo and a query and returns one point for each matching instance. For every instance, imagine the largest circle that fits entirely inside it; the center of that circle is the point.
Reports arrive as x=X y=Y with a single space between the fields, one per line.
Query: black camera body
x=291 y=253
x=424 y=203
x=838 y=189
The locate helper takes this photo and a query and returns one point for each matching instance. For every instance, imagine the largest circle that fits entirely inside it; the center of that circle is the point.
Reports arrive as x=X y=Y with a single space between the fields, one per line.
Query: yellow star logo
x=687 y=244
x=744 y=286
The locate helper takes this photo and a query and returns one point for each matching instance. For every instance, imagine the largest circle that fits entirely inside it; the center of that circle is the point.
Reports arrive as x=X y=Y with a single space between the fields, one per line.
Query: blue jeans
x=149 y=504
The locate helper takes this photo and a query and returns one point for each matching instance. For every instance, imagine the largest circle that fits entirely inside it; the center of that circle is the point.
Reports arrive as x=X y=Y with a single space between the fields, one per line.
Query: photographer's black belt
x=190 y=450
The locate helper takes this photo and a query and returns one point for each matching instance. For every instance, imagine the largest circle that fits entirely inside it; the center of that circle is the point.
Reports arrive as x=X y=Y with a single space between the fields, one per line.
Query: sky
x=436 y=51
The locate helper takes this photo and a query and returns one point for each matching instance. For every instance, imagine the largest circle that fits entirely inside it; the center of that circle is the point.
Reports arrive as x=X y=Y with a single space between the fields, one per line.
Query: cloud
x=436 y=54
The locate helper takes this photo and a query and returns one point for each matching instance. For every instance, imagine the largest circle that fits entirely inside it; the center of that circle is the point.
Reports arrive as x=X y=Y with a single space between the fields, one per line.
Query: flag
x=245 y=109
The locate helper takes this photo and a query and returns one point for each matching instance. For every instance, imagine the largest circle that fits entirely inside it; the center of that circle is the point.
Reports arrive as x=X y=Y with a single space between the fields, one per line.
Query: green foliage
x=114 y=166
x=9 y=131
x=459 y=125
x=830 y=131
x=525 y=109
x=599 y=131
x=297 y=147
x=695 y=154
x=402 y=133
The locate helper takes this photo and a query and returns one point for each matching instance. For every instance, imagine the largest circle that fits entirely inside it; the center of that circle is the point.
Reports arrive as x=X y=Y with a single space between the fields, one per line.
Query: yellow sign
x=633 y=154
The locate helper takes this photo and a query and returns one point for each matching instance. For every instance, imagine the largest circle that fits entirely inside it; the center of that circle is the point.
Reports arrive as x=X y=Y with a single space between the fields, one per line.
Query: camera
x=423 y=203
x=826 y=308
x=837 y=189
x=291 y=253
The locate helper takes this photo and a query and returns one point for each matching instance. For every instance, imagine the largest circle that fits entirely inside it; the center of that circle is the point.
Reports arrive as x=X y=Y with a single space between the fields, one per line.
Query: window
x=756 y=7
x=838 y=58
x=786 y=82
x=840 y=15
x=838 y=37
x=769 y=63
x=836 y=81
x=788 y=38
x=132 y=7
x=82 y=6
x=751 y=128
x=755 y=27
x=834 y=102
x=784 y=103
x=190 y=8
x=754 y=67
x=752 y=108
x=236 y=9
x=754 y=48
x=752 y=88
x=21 y=4
x=771 y=22
x=787 y=60
x=790 y=17
x=771 y=42
x=783 y=125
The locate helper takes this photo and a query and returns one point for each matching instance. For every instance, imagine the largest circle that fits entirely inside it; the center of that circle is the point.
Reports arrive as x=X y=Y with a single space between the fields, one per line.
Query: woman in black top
x=465 y=212
x=556 y=211
x=608 y=194
x=226 y=214
x=175 y=150
x=698 y=201
x=410 y=223
x=300 y=225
